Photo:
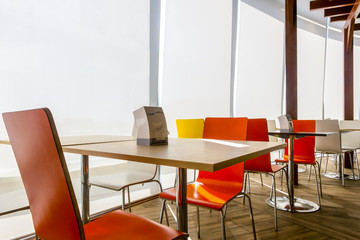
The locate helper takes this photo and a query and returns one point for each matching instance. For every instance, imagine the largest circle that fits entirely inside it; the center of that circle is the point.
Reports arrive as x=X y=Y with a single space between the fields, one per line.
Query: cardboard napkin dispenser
x=150 y=126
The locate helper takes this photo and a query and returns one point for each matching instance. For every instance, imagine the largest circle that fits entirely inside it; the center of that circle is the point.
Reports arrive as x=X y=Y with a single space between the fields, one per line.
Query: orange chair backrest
x=225 y=129
x=258 y=131
x=40 y=159
x=304 y=148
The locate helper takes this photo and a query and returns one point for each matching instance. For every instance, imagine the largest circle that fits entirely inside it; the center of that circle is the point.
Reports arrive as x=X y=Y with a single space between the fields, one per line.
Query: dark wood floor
x=338 y=218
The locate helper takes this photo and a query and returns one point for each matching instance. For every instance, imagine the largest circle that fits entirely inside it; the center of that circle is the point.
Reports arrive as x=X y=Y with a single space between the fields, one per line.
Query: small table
x=293 y=204
x=202 y=154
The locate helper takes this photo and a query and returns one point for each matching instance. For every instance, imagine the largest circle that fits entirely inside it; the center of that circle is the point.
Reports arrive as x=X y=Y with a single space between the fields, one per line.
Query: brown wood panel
x=349 y=73
x=326 y=4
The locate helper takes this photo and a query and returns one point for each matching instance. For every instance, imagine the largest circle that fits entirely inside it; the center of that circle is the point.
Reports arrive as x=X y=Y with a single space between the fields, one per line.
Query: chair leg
x=262 y=183
x=318 y=166
x=248 y=177
x=129 y=203
x=222 y=225
x=198 y=221
x=309 y=174
x=352 y=165
x=341 y=161
x=317 y=185
x=251 y=214
x=275 y=206
x=326 y=164
x=163 y=209
x=357 y=163
x=123 y=199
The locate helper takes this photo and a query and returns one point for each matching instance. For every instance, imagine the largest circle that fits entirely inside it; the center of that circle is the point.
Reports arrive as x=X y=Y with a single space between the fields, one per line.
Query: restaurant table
x=202 y=154
x=291 y=203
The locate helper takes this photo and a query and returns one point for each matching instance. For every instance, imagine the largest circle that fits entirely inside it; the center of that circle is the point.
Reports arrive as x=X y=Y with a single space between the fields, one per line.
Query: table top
x=201 y=154
x=287 y=134
x=86 y=139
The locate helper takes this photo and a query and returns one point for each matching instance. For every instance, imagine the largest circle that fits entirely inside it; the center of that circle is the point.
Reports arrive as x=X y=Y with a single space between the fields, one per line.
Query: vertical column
x=291 y=57
x=85 y=189
x=155 y=13
x=349 y=72
x=291 y=63
x=234 y=54
x=181 y=202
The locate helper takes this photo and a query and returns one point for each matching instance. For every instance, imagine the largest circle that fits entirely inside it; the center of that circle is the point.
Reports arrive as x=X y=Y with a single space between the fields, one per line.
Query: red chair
x=53 y=205
x=304 y=150
x=258 y=131
x=214 y=190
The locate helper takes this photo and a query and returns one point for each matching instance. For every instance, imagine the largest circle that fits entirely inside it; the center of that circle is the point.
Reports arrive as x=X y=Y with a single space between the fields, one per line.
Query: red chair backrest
x=258 y=131
x=304 y=148
x=225 y=129
x=40 y=159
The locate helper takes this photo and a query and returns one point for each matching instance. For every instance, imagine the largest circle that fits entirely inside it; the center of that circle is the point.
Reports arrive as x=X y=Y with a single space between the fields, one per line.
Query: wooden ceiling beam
x=353 y=14
x=332 y=12
x=357 y=27
x=339 y=18
x=326 y=4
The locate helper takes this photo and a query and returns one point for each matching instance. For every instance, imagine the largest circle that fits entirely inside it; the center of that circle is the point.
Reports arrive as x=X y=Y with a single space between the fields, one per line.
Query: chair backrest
x=352 y=138
x=330 y=143
x=225 y=129
x=271 y=126
x=304 y=148
x=190 y=128
x=40 y=159
x=258 y=131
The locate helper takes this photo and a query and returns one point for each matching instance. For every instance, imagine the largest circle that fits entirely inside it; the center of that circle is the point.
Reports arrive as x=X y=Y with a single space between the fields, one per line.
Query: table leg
x=181 y=202
x=291 y=173
x=85 y=189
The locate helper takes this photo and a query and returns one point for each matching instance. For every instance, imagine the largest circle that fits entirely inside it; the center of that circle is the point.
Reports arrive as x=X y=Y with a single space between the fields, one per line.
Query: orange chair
x=214 y=190
x=304 y=150
x=258 y=131
x=53 y=205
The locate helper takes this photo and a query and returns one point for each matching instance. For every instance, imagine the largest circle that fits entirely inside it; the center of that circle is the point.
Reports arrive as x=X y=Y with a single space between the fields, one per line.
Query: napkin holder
x=286 y=124
x=150 y=126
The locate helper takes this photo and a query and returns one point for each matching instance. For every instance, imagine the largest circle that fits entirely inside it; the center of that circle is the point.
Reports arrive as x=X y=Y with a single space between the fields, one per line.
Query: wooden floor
x=338 y=218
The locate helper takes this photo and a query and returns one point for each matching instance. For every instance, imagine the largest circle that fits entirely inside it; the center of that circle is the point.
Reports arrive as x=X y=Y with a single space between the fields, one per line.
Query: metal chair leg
x=129 y=203
x=123 y=199
x=275 y=206
x=198 y=221
x=352 y=165
x=317 y=185
x=163 y=209
x=223 y=225
x=262 y=183
x=309 y=174
x=318 y=165
x=341 y=161
x=251 y=215
x=326 y=164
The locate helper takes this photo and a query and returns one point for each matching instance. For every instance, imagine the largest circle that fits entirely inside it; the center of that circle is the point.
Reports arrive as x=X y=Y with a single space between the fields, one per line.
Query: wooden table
x=292 y=204
x=201 y=154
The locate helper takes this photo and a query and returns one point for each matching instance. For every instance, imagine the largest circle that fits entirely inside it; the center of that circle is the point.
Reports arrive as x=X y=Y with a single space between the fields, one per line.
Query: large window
x=260 y=64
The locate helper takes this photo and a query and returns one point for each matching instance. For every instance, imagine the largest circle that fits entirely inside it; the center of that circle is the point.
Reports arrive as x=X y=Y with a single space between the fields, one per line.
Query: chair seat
x=117 y=181
x=124 y=225
x=207 y=194
x=297 y=160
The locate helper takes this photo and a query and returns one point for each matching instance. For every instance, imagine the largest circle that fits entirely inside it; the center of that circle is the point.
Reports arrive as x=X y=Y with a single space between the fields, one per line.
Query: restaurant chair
x=213 y=190
x=48 y=186
x=350 y=140
x=304 y=151
x=190 y=128
x=271 y=125
x=258 y=131
x=330 y=144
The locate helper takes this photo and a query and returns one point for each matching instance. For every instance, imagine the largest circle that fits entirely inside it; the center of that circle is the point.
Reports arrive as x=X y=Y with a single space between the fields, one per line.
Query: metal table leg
x=85 y=189
x=181 y=202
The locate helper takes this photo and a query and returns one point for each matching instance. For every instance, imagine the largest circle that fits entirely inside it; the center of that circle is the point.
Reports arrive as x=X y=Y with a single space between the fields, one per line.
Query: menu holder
x=150 y=126
x=286 y=124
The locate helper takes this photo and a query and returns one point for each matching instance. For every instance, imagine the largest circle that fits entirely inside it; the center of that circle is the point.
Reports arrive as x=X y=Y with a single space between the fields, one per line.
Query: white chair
x=330 y=144
x=350 y=140
x=131 y=174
